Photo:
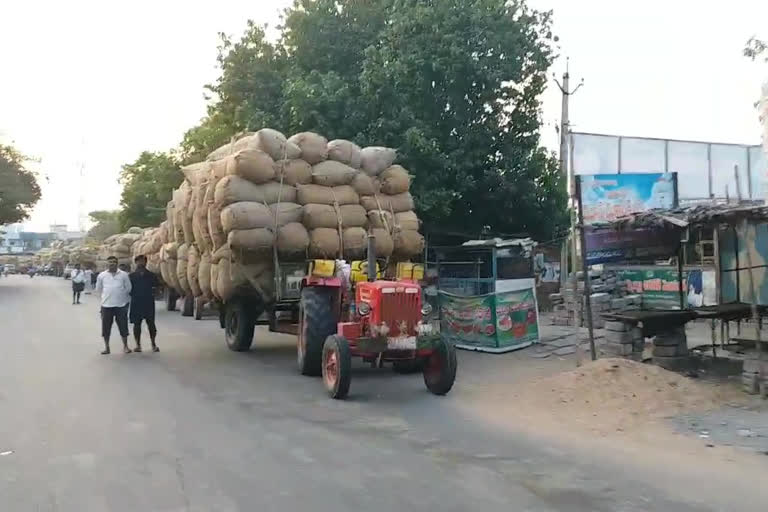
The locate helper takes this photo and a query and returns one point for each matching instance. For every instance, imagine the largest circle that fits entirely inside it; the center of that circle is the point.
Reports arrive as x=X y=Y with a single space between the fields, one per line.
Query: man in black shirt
x=143 y=284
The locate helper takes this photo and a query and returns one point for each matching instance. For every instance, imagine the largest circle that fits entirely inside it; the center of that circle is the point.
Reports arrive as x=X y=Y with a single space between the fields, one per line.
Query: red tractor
x=377 y=320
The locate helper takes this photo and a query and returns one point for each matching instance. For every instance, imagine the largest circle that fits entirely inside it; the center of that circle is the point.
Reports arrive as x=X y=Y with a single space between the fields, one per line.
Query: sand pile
x=614 y=394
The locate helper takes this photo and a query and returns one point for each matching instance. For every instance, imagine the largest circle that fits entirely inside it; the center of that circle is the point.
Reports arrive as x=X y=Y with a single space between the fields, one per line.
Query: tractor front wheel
x=337 y=367
x=440 y=368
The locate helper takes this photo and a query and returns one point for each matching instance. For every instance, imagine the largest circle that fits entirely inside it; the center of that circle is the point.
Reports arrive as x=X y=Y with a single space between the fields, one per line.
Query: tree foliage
x=147 y=186
x=107 y=223
x=453 y=85
x=19 y=190
x=755 y=48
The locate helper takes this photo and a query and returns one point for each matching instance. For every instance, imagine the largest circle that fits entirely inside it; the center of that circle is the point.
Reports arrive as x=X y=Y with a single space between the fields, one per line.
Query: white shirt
x=78 y=276
x=114 y=288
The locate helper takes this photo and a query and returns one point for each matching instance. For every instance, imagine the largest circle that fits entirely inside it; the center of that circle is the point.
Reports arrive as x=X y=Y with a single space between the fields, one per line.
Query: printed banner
x=660 y=287
x=496 y=320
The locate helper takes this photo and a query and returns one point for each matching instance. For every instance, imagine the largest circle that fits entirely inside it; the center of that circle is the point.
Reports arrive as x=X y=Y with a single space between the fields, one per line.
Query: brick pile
x=623 y=340
x=670 y=349
x=608 y=295
x=750 y=377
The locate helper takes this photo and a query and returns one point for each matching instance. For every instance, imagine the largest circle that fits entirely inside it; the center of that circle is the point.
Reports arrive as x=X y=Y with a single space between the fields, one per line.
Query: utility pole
x=569 y=175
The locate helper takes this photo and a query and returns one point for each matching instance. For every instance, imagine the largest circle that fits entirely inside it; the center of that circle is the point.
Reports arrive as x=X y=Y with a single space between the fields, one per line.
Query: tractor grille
x=399 y=307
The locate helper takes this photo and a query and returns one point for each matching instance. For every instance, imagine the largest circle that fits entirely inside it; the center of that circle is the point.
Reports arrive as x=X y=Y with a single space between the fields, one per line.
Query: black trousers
x=119 y=316
x=150 y=327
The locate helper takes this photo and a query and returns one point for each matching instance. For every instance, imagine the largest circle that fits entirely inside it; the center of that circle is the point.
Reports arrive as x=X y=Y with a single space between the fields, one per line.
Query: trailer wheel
x=440 y=368
x=170 y=299
x=189 y=305
x=316 y=323
x=239 y=325
x=337 y=366
x=198 y=308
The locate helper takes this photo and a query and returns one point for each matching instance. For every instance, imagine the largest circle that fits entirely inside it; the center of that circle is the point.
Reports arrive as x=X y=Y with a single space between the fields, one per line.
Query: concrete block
x=751 y=383
x=756 y=366
x=669 y=342
x=619 y=303
x=616 y=349
x=676 y=363
x=618 y=337
x=637 y=334
x=616 y=326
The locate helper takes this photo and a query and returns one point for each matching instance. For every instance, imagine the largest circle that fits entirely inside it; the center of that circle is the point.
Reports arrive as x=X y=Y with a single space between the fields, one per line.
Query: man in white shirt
x=78 y=283
x=114 y=287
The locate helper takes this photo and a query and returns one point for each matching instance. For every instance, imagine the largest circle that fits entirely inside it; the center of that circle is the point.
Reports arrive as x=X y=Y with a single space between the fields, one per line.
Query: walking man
x=114 y=287
x=78 y=283
x=143 y=284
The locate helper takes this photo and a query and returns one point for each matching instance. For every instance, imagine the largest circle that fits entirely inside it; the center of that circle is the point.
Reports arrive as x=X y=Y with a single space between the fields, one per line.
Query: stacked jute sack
x=149 y=244
x=264 y=198
x=119 y=246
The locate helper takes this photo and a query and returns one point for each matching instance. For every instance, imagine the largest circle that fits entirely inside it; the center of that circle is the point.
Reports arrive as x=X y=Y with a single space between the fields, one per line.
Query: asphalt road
x=199 y=428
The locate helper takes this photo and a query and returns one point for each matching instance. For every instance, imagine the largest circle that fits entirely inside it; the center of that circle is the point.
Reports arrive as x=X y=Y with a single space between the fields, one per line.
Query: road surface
x=199 y=428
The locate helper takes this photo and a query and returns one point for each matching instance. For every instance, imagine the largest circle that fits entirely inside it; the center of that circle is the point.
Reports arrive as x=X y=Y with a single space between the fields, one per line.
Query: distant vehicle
x=68 y=271
x=10 y=268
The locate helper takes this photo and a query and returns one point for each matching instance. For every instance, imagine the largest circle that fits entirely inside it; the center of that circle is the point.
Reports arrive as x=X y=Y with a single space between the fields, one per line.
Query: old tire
x=239 y=321
x=316 y=323
x=189 y=306
x=170 y=299
x=440 y=368
x=336 y=366
x=408 y=366
x=199 y=304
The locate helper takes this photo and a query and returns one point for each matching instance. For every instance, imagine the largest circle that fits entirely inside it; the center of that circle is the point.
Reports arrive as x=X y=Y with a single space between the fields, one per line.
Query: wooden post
x=680 y=274
x=587 y=279
x=753 y=296
x=718 y=292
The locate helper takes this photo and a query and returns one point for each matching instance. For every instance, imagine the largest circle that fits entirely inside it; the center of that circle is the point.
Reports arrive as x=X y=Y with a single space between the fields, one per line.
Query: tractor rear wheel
x=337 y=366
x=440 y=368
x=240 y=322
x=316 y=323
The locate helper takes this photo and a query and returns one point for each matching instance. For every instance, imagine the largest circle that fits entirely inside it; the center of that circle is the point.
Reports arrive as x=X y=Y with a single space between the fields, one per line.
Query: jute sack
x=380 y=219
x=258 y=240
x=399 y=203
x=195 y=173
x=245 y=215
x=285 y=213
x=227 y=281
x=197 y=230
x=186 y=224
x=169 y=251
x=324 y=243
x=170 y=219
x=325 y=216
x=214 y=279
x=407 y=221
x=232 y=189
x=316 y=194
x=204 y=275
x=275 y=144
x=355 y=243
x=382 y=242
x=193 y=268
x=164 y=273
x=408 y=243
x=375 y=159
x=163 y=233
x=135 y=230
x=218 y=237
x=251 y=164
x=345 y=152
x=222 y=253
x=314 y=147
x=292 y=241
x=395 y=180
x=259 y=276
x=332 y=174
x=293 y=172
x=230 y=147
x=181 y=274
x=181 y=201
x=364 y=185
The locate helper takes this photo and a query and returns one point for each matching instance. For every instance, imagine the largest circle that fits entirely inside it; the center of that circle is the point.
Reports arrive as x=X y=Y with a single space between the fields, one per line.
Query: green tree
x=755 y=48
x=19 y=191
x=147 y=186
x=107 y=223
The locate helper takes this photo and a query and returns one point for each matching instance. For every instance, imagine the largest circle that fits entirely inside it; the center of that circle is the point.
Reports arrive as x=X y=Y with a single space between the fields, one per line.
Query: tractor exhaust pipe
x=371 y=258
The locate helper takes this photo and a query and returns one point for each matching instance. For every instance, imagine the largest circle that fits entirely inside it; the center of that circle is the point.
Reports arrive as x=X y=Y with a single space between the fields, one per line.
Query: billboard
x=604 y=198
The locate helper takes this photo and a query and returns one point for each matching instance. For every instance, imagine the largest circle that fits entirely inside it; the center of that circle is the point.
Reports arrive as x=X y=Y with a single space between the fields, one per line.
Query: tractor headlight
x=426 y=308
x=363 y=308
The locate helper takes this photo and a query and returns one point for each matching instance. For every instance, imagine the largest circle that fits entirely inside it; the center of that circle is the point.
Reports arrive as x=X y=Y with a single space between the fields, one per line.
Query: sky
x=88 y=87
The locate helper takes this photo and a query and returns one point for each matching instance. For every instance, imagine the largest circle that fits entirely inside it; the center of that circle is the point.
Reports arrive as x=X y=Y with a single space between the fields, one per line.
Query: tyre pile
x=264 y=199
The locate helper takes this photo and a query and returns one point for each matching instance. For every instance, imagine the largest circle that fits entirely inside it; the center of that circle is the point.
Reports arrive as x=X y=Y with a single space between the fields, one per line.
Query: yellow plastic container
x=323 y=268
x=359 y=271
x=408 y=270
